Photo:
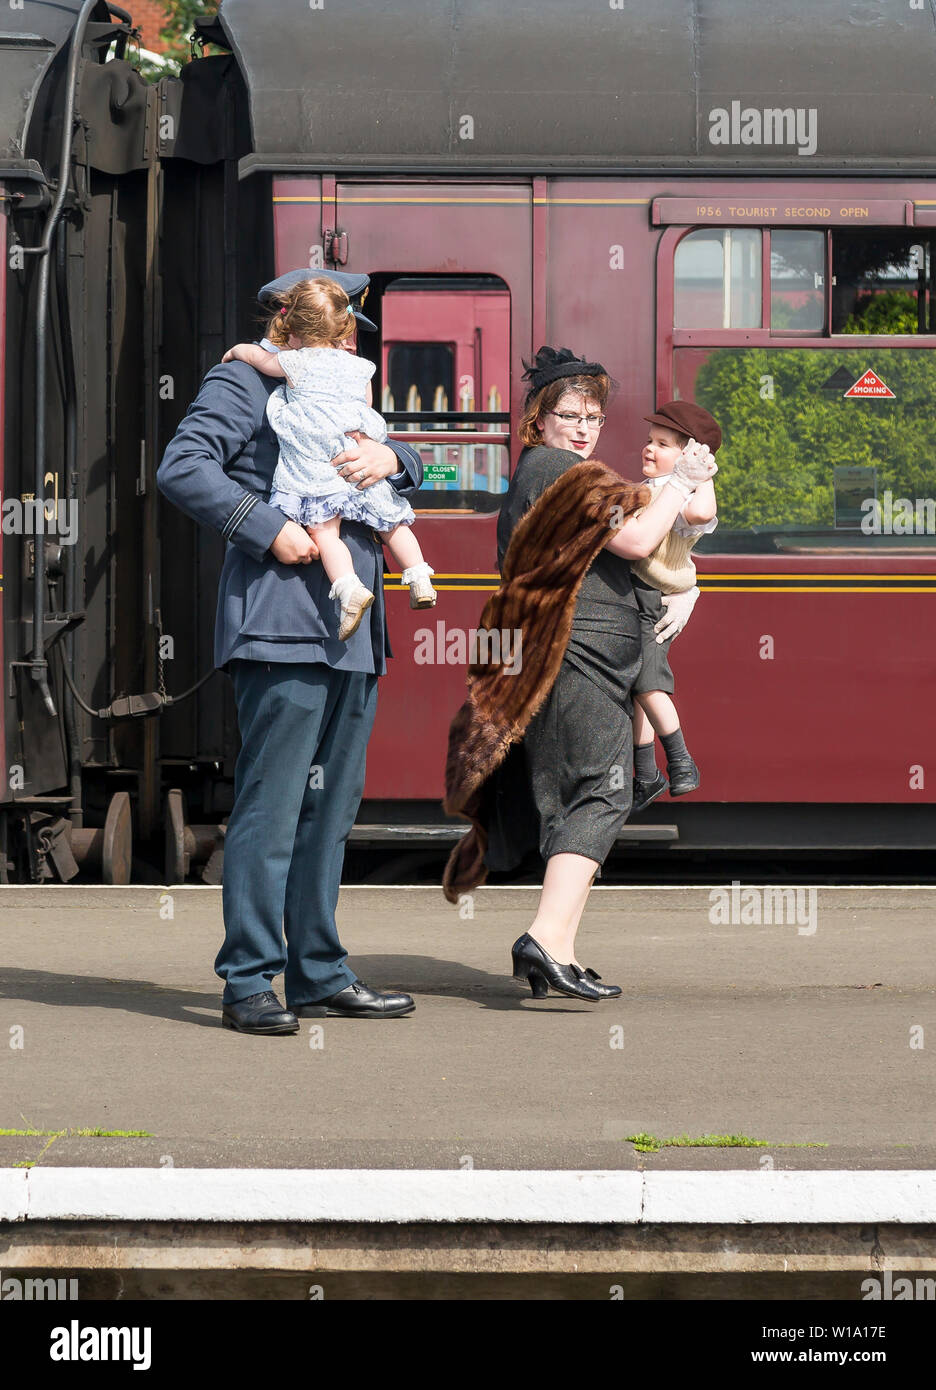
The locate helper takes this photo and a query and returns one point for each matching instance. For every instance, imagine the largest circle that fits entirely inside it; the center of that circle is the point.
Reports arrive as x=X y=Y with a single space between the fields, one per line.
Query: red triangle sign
x=871 y=386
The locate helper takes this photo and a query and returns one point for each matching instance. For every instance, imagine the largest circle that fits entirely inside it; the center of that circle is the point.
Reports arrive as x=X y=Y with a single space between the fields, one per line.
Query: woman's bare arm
x=639 y=536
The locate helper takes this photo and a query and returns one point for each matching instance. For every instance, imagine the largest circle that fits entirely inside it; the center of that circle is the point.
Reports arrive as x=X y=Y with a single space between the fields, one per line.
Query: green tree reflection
x=776 y=461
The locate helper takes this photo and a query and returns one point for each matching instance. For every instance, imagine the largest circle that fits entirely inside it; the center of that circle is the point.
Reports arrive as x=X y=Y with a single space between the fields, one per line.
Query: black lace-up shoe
x=358 y=1000
x=683 y=776
x=645 y=792
x=259 y=1013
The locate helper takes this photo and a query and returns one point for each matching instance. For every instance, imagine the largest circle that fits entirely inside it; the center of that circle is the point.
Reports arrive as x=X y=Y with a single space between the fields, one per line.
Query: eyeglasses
x=591 y=421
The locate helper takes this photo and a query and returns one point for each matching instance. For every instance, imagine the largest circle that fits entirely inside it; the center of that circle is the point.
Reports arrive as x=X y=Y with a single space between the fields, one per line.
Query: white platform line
x=348 y=889
x=408 y=1195
x=13 y=1194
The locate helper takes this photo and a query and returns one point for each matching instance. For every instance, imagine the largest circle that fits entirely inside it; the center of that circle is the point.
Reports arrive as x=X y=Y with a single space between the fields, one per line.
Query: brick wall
x=149 y=16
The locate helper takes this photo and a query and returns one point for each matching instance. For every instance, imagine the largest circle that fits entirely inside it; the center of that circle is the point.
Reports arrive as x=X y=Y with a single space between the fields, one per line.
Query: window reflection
x=797 y=281
x=808 y=467
x=882 y=282
x=718 y=279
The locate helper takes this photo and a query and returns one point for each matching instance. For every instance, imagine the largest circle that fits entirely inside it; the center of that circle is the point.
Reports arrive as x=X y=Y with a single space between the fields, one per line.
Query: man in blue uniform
x=305 y=701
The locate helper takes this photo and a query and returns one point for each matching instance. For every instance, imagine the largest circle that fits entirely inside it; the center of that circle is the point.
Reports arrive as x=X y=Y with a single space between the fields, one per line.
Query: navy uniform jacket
x=218 y=469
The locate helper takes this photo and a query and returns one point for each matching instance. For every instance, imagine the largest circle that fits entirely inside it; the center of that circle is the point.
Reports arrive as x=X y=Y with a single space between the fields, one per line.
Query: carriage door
x=450 y=268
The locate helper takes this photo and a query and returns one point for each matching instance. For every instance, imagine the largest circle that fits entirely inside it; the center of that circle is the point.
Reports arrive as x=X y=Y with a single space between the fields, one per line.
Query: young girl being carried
x=327 y=395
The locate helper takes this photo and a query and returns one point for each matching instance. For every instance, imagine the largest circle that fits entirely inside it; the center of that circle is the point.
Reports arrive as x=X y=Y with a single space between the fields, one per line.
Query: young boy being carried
x=669 y=570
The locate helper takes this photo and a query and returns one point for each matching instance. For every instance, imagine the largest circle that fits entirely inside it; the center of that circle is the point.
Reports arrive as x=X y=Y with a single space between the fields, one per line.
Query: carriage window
x=718 y=279
x=797 y=281
x=810 y=464
x=882 y=282
x=828 y=445
x=445 y=355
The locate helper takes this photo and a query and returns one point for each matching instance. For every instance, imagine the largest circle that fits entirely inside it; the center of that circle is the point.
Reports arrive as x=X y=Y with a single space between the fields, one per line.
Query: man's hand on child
x=365 y=462
x=293 y=545
x=678 y=610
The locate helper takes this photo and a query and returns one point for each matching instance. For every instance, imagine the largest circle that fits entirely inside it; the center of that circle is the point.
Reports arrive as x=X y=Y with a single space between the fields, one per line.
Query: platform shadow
x=103 y=992
x=417 y=975
x=428 y=975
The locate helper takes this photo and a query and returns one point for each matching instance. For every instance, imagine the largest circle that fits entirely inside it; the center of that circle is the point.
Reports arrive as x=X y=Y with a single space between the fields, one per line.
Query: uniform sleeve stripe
x=238 y=515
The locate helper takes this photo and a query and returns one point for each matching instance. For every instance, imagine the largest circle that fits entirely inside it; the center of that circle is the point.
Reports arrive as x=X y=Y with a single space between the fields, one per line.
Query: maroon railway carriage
x=680 y=191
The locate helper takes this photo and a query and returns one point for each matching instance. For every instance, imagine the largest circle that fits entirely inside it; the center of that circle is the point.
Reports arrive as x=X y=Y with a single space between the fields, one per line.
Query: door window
x=445 y=359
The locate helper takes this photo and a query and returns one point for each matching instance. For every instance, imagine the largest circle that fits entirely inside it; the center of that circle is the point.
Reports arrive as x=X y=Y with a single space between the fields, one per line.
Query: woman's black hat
x=552 y=364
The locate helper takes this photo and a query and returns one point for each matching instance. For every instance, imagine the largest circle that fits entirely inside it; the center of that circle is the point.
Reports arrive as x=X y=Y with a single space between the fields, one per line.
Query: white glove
x=695 y=465
x=678 y=611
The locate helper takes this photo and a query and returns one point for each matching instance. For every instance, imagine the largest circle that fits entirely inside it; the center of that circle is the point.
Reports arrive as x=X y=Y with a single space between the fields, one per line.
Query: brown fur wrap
x=549 y=554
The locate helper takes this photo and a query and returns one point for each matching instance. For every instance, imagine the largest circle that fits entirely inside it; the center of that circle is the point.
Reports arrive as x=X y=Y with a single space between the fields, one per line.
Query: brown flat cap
x=688 y=418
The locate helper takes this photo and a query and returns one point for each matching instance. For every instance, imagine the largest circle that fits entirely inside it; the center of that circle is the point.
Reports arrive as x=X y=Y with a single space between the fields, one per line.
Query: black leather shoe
x=531 y=962
x=358 y=1000
x=606 y=991
x=683 y=776
x=259 y=1013
x=645 y=792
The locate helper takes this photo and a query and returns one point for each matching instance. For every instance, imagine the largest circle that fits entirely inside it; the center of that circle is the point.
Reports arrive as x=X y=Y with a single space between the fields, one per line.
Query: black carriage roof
x=548 y=84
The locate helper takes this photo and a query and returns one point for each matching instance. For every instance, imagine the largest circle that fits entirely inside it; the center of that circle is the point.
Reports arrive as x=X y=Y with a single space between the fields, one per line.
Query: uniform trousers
x=298 y=783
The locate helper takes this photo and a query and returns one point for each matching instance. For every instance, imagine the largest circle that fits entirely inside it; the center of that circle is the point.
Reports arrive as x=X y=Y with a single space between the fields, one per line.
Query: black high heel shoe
x=531 y=962
x=606 y=991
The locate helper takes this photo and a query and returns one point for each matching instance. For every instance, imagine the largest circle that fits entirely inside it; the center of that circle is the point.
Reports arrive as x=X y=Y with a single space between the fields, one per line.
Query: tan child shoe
x=354 y=605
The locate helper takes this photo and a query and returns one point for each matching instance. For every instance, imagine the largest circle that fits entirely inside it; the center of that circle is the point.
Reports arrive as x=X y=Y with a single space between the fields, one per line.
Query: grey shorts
x=655 y=672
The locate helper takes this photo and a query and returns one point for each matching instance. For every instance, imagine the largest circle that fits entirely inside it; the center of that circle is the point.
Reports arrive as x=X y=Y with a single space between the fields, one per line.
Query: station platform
x=487 y=1141
x=783 y=1033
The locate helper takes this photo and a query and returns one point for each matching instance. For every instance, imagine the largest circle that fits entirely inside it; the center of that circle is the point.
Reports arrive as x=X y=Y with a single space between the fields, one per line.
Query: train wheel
x=117 y=852
x=178 y=855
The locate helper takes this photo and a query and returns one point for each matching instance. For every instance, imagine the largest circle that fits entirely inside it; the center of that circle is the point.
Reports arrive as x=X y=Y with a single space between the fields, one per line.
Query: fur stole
x=549 y=554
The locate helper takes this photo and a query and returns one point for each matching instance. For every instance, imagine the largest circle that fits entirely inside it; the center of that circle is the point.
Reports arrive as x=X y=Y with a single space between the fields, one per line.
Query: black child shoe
x=358 y=1000
x=645 y=792
x=683 y=776
x=259 y=1013
x=531 y=962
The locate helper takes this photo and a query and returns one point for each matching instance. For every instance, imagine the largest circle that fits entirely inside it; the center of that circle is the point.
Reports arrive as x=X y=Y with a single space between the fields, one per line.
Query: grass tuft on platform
x=648 y=1143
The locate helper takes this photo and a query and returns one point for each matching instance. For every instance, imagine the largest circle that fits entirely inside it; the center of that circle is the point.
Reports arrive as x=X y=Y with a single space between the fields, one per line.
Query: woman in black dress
x=577 y=752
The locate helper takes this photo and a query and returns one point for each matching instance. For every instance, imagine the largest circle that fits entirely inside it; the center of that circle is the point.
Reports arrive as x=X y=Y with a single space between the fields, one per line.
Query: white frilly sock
x=416 y=572
x=343 y=586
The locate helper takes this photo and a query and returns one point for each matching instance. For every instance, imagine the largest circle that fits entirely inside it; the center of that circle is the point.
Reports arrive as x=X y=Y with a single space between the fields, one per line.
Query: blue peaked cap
x=353 y=286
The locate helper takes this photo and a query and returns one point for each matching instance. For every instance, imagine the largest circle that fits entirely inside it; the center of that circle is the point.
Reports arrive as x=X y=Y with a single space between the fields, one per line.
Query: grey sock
x=674 y=745
x=645 y=767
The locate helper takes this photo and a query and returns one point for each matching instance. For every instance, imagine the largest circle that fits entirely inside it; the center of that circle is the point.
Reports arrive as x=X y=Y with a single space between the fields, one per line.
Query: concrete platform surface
x=813 y=1030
